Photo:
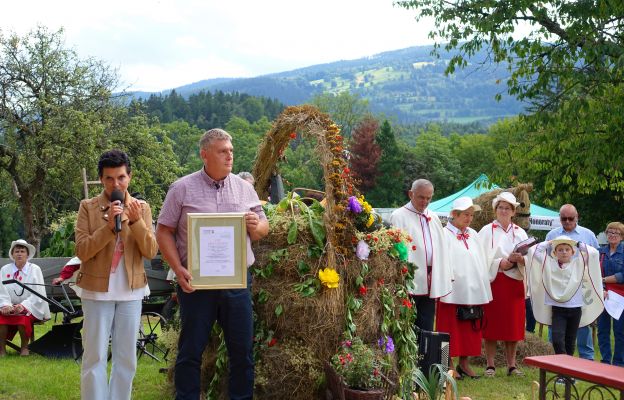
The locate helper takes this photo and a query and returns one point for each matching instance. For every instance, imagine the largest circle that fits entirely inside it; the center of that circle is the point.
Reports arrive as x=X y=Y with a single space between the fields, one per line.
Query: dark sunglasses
x=567 y=219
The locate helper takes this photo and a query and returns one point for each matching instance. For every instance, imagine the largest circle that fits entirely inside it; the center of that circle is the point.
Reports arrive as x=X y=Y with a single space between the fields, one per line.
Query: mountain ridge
x=408 y=85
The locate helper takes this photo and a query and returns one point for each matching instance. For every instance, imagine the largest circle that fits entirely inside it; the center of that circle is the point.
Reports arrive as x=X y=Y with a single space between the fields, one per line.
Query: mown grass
x=36 y=377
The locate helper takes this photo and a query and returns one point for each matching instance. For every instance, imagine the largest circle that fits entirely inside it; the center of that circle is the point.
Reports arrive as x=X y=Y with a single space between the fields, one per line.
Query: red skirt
x=465 y=340
x=13 y=321
x=504 y=317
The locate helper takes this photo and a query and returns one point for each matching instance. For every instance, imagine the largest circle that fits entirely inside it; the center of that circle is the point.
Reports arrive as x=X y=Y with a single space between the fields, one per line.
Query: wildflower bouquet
x=361 y=365
x=364 y=216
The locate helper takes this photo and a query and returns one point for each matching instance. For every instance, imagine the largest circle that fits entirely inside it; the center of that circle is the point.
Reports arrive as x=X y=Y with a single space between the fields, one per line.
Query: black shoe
x=463 y=373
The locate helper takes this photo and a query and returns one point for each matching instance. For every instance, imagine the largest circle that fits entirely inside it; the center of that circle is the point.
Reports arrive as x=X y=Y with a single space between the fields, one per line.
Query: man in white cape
x=433 y=276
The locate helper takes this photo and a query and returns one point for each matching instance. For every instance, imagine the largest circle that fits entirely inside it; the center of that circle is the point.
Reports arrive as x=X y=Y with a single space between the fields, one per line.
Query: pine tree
x=390 y=191
x=365 y=154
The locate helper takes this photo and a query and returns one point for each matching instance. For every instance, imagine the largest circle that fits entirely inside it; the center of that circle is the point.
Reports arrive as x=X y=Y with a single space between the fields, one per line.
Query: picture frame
x=217 y=250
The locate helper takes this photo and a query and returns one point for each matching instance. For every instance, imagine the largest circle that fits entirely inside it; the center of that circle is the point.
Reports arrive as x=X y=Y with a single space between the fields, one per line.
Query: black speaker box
x=433 y=348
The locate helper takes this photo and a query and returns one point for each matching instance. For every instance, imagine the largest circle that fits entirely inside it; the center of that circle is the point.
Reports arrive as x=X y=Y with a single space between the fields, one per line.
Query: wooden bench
x=608 y=379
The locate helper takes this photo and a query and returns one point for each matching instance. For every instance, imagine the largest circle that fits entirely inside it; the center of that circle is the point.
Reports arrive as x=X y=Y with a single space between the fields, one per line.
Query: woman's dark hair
x=113 y=159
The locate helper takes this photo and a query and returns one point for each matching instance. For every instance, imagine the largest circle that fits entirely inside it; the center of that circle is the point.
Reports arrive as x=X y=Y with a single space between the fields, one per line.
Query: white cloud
x=166 y=43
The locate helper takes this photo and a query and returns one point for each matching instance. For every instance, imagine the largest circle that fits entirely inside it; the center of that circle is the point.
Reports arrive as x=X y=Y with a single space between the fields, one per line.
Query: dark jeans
x=606 y=324
x=565 y=323
x=530 y=319
x=198 y=311
x=425 y=312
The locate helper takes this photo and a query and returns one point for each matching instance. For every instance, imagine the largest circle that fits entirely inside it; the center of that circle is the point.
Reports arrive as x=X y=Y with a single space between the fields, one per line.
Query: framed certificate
x=217 y=250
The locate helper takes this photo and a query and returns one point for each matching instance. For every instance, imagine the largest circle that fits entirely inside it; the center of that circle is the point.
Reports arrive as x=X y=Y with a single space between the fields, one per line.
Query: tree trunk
x=33 y=232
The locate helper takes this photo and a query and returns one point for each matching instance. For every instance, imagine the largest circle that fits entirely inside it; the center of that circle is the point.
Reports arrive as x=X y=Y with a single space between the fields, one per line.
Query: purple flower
x=388 y=342
x=362 y=250
x=354 y=205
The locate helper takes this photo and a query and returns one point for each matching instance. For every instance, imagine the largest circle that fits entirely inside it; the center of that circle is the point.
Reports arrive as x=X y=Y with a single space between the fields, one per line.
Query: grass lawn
x=37 y=377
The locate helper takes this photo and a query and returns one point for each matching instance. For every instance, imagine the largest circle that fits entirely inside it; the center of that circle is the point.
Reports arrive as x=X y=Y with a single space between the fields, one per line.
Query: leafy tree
x=476 y=155
x=154 y=163
x=390 y=190
x=53 y=109
x=570 y=50
x=365 y=154
x=345 y=109
x=437 y=161
x=570 y=66
x=185 y=140
x=246 y=138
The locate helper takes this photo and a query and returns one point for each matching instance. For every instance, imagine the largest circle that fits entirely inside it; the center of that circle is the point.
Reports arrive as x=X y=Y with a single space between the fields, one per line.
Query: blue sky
x=163 y=44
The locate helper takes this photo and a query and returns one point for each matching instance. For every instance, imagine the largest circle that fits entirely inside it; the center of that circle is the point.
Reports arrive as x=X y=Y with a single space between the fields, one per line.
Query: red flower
x=368 y=236
x=380 y=281
x=407 y=303
x=376 y=372
x=272 y=342
x=354 y=240
x=346 y=170
x=404 y=270
x=414 y=247
x=494 y=226
x=363 y=290
x=376 y=239
x=293 y=135
x=338 y=137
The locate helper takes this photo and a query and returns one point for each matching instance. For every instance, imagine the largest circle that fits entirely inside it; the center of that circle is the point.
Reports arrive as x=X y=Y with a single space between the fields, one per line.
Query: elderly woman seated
x=19 y=308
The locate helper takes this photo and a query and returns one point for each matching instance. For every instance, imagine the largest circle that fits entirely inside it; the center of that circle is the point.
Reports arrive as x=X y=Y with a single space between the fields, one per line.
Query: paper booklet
x=523 y=247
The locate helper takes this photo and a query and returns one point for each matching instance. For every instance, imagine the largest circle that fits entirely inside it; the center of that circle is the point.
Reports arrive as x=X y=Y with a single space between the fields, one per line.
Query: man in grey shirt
x=213 y=189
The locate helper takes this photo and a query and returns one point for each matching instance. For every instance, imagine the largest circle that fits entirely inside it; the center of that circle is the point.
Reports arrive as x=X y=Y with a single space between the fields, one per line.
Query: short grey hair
x=421 y=183
x=247 y=176
x=211 y=135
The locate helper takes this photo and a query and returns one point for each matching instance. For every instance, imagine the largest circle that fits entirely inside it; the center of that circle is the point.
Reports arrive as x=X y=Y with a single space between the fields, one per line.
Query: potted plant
x=432 y=386
x=362 y=368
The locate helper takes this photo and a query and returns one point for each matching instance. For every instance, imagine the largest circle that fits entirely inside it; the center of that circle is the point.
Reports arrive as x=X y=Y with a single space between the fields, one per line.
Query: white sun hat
x=23 y=243
x=563 y=239
x=507 y=197
x=464 y=203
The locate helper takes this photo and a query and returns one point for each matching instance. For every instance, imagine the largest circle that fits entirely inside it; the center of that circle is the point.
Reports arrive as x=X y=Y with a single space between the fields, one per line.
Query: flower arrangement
x=394 y=240
x=365 y=217
x=362 y=366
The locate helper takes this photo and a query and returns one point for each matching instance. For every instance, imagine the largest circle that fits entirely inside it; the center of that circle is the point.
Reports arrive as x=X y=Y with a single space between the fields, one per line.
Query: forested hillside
x=407 y=85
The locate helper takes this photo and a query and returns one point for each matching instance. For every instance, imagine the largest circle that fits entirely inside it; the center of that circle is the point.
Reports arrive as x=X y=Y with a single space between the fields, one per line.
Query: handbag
x=474 y=314
x=466 y=313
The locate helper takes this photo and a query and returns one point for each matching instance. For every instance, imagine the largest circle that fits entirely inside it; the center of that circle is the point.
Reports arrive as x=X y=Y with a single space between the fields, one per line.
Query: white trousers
x=118 y=320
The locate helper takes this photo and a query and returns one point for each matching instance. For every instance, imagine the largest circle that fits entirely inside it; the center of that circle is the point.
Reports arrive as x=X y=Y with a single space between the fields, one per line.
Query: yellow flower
x=329 y=277
x=370 y=220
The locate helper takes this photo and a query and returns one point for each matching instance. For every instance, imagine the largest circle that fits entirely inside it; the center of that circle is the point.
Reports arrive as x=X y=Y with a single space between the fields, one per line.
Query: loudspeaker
x=433 y=348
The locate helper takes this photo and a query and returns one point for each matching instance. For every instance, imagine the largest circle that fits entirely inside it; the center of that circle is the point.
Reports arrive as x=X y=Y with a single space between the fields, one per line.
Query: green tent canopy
x=541 y=218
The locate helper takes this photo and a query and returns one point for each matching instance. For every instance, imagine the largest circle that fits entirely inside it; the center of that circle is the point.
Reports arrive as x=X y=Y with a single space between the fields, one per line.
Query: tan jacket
x=95 y=244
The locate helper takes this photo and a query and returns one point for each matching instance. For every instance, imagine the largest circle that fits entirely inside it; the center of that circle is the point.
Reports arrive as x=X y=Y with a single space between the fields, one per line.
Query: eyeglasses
x=564 y=219
x=613 y=233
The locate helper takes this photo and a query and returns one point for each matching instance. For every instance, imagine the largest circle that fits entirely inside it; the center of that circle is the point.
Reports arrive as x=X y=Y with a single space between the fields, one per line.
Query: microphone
x=117 y=195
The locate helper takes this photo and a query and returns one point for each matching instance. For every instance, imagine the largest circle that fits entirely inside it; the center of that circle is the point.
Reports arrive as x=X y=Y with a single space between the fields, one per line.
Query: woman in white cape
x=19 y=308
x=505 y=315
x=470 y=287
x=565 y=289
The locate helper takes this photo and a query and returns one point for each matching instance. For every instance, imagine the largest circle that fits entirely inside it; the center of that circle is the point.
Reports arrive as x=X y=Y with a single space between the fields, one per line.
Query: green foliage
x=62 y=243
x=346 y=109
x=208 y=110
x=432 y=386
x=246 y=138
x=53 y=110
x=359 y=364
x=154 y=164
x=301 y=166
x=569 y=50
x=390 y=170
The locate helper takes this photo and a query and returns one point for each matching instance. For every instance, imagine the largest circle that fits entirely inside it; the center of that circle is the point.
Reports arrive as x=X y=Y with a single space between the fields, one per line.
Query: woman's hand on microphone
x=116 y=208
